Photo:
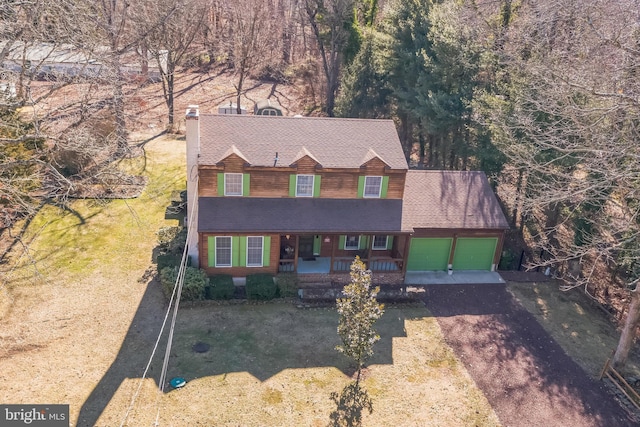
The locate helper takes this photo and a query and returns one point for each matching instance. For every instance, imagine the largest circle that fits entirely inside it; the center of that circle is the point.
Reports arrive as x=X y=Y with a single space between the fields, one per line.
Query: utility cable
x=177 y=289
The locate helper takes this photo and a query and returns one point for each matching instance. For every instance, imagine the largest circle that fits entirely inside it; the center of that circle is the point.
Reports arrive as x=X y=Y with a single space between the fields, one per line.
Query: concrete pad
x=457 y=278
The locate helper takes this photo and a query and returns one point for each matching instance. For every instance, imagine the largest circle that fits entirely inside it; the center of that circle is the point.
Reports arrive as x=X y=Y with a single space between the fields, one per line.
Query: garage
x=474 y=253
x=429 y=254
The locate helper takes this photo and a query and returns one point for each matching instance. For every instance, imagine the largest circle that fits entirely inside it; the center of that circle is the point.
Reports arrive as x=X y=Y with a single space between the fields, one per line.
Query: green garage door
x=474 y=253
x=429 y=254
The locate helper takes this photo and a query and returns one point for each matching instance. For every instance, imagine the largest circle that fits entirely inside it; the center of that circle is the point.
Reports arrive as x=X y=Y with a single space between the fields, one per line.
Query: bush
x=261 y=287
x=220 y=287
x=166 y=235
x=168 y=260
x=195 y=281
x=507 y=260
x=287 y=285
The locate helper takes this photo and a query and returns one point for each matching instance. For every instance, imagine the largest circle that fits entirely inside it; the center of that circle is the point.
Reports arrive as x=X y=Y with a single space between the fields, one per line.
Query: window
x=351 y=243
x=254 y=251
x=304 y=186
x=233 y=184
x=223 y=251
x=379 y=242
x=372 y=186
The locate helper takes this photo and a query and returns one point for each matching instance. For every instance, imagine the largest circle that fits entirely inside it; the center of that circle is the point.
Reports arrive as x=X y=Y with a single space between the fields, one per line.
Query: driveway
x=525 y=375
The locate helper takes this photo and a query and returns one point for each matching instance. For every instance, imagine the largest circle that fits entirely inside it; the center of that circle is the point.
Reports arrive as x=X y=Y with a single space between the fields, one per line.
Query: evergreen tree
x=358 y=311
x=363 y=90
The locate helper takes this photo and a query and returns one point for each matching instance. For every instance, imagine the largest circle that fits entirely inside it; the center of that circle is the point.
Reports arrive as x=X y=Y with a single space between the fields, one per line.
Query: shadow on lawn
x=261 y=339
x=526 y=376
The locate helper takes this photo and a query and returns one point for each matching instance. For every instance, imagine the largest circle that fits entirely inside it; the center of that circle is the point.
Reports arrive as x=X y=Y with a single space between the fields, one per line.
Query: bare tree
x=330 y=20
x=568 y=115
x=248 y=40
x=169 y=35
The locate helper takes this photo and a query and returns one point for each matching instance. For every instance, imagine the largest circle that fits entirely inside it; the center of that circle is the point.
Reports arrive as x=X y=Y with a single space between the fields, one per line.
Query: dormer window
x=233 y=184
x=304 y=185
x=372 y=186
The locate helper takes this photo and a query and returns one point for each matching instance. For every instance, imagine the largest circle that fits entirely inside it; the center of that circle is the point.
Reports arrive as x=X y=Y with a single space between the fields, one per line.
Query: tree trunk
x=628 y=334
x=118 y=105
x=170 y=103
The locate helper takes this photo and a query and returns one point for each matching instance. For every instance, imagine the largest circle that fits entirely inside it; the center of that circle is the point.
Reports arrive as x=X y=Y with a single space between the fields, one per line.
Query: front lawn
x=276 y=365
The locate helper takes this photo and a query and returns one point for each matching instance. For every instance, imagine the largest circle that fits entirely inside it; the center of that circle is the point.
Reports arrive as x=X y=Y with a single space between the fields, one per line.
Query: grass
x=584 y=332
x=275 y=364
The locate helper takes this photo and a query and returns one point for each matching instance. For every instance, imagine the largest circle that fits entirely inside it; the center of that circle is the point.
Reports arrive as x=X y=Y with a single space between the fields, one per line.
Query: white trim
x=380 y=248
x=241 y=184
x=346 y=240
x=261 y=252
x=230 y=251
x=313 y=181
x=364 y=190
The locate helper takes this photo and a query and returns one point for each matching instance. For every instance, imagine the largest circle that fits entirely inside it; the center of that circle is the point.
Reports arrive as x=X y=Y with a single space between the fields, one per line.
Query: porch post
x=333 y=251
x=405 y=255
x=295 y=254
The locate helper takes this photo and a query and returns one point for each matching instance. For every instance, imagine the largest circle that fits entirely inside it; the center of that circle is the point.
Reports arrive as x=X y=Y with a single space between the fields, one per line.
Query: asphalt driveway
x=525 y=375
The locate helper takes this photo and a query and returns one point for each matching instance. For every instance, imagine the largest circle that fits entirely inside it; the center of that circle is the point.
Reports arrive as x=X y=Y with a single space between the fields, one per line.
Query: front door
x=305 y=247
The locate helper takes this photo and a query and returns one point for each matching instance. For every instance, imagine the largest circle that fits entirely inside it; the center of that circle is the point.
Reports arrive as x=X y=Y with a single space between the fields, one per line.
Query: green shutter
x=360 y=186
x=317 y=240
x=220 y=184
x=341 y=241
x=266 y=250
x=235 y=255
x=211 y=250
x=292 y=185
x=389 y=242
x=316 y=186
x=385 y=186
x=245 y=184
x=243 y=251
x=364 y=242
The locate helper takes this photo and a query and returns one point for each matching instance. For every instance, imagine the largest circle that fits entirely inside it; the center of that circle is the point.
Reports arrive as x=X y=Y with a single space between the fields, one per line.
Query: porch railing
x=286 y=266
x=343 y=264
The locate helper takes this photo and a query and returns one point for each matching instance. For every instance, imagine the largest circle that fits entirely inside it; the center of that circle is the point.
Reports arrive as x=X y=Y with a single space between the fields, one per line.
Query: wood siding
x=266 y=182
x=306 y=166
x=208 y=185
x=269 y=183
x=234 y=164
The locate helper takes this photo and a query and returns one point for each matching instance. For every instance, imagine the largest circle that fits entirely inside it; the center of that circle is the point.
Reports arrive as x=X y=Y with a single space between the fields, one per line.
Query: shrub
x=168 y=260
x=261 y=287
x=166 y=235
x=220 y=287
x=195 y=281
x=287 y=285
x=507 y=260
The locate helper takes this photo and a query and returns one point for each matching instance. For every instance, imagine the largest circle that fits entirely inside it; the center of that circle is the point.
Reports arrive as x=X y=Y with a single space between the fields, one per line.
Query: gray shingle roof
x=334 y=143
x=450 y=199
x=294 y=215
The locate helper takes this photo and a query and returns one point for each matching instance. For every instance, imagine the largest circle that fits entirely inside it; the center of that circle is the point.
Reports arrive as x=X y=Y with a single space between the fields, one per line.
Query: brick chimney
x=193 y=152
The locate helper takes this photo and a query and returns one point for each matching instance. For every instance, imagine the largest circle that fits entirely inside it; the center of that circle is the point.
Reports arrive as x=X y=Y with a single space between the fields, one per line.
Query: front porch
x=327 y=254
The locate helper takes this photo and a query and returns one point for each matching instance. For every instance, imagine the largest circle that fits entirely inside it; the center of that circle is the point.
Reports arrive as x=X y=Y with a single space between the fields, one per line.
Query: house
x=267 y=107
x=305 y=195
